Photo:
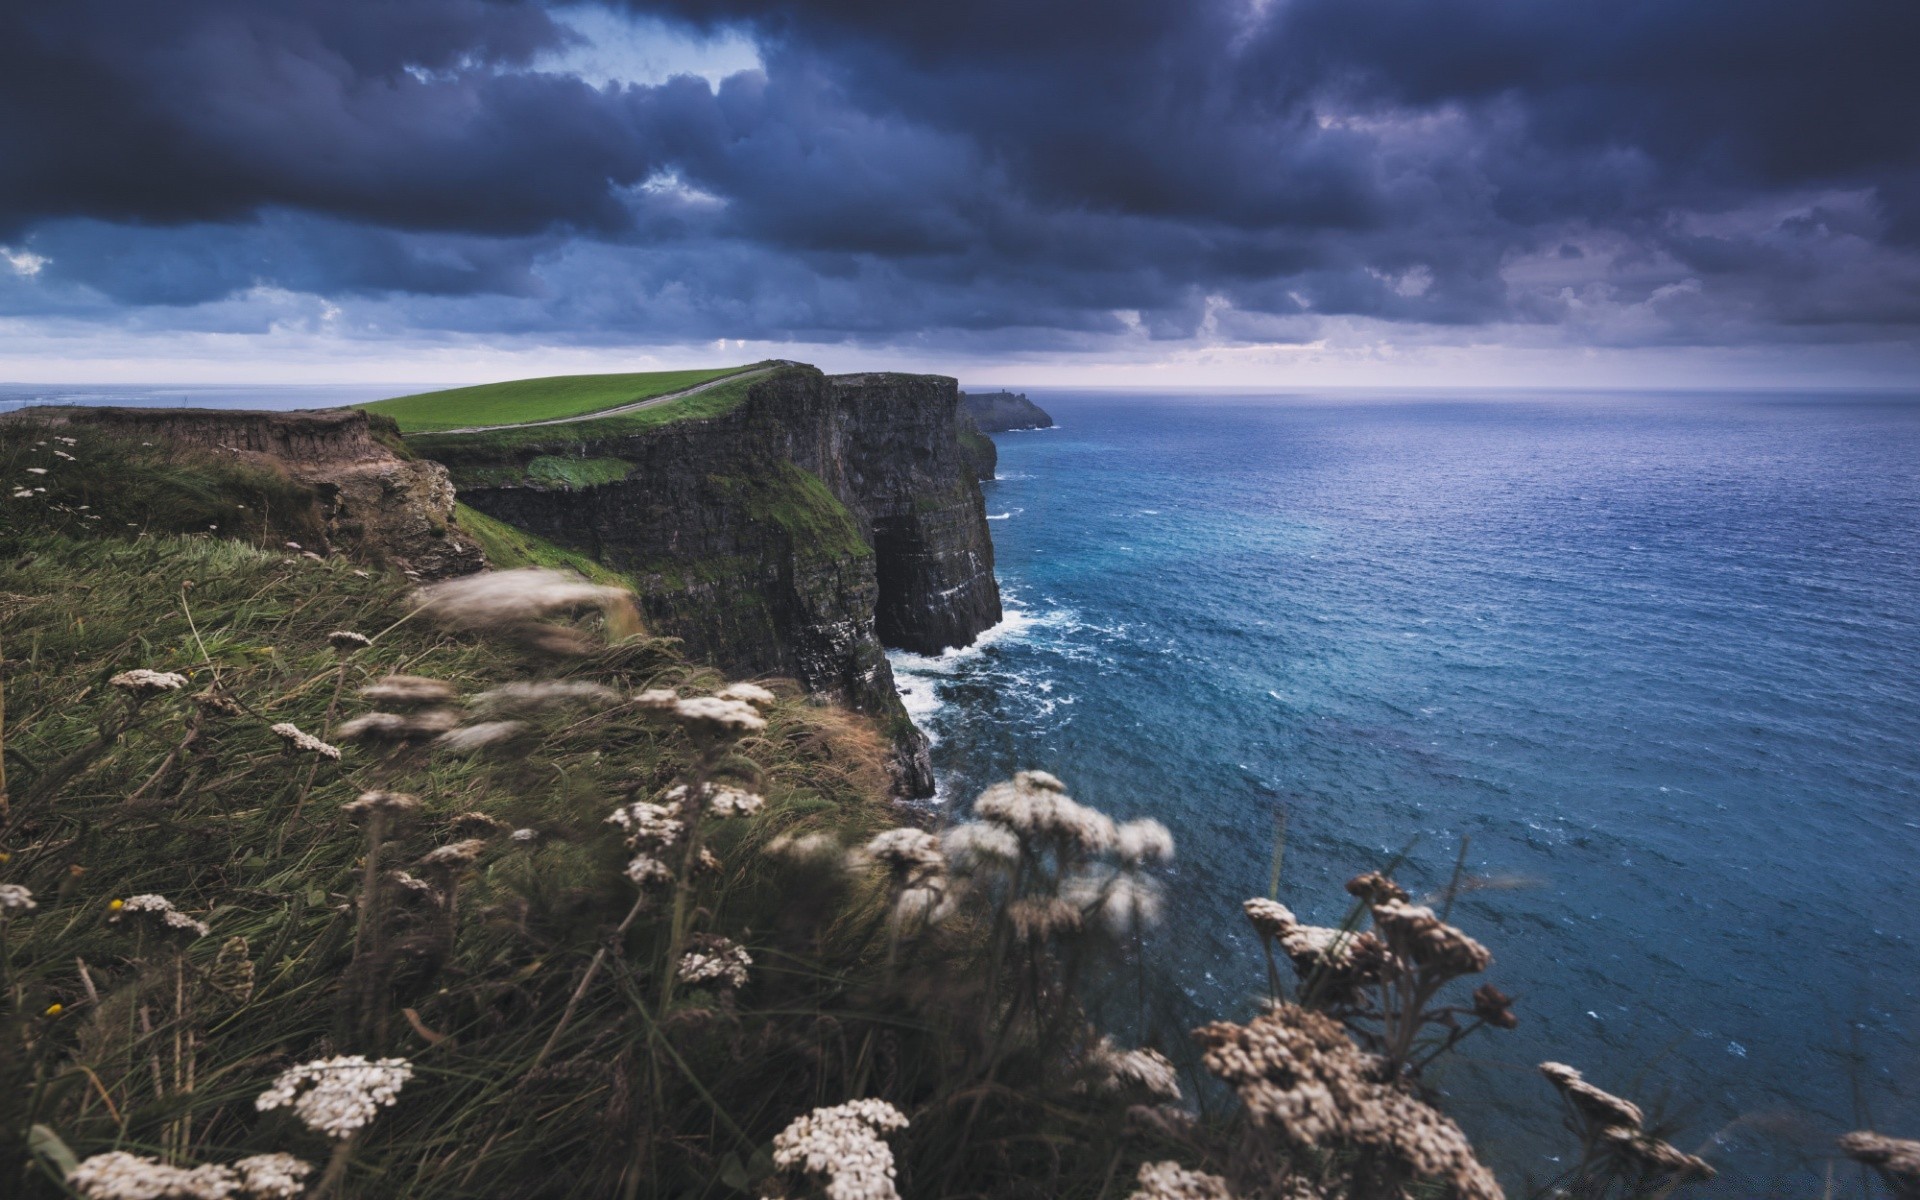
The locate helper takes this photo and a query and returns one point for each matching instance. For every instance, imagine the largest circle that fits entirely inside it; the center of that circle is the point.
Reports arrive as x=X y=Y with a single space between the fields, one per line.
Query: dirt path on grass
x=636 y=406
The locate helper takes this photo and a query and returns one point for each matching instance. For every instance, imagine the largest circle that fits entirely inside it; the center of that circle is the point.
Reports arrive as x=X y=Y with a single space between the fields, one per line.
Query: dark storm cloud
x=1032 y=172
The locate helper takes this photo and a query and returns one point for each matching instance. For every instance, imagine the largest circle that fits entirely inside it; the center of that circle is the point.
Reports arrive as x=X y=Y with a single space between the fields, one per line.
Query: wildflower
x=161 y=910
x=1896 y=1159
x=1034 y=805
x=660 y=700
x=406 y=690
x=273 y=1176
x=23 y=493
x=412 y=886
x=1144 y=841
x=55 y=1009
x=1603 y=1109
x=843 y=1143
x=906 y=852
x=1416 y=935
x=1654 y=1155
x=709 y=718
x=650 y=825
x=978 y=844
x=1494 y=1007
x=1171 y=1181
x=648 y=871
x=1123 y=904
x=476 y=824
x=925 y=902
x=346 y=641
x=337 y=1096
x=232 y=972
x=391 y=804
x=455 y=854
x=15 y=899
x=1118 y=1071
x=36 y=470
x=295 y=740
x=525 y=698
x=116 y=905
x=516 y=605
x=748 y=693
x=393 y=727
x=716 y=960
x=142 y=683
x=524 y=835
x=1375 y=888
x=808 y=847
x=478 y=736
x=1043 y=916
x=1302 y=1078
x=721 y=801
x=117 y=1175
x=1270 y=918
x=708 y=863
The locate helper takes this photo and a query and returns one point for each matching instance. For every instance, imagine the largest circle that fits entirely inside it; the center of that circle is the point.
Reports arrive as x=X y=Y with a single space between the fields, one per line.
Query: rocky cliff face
x=358 y=489
x=798 y=534
x=998 y=412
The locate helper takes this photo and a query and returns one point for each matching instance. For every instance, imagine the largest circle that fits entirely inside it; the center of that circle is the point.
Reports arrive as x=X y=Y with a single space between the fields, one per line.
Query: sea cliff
x=801 y=533
x=1000 y=412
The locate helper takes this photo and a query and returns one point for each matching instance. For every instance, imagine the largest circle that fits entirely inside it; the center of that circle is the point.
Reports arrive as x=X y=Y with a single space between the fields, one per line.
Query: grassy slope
x=508 y=547
x=534 y=399
x=458 y=449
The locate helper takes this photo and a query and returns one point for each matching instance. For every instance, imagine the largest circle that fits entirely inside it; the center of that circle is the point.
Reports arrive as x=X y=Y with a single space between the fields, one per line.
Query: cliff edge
x=1001 y=412
x=800 y=532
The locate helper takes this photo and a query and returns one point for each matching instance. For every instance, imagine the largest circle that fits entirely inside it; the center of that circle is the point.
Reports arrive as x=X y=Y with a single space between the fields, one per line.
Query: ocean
x=1653 y=659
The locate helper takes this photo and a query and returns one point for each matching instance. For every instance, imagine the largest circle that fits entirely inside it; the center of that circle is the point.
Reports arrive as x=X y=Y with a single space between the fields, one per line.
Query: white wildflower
x=118 y=1175
x=346 y=641
x=161 y=909
x=390 y=804
x=297 y=740
x=1144 y=841
x=648 y=871
x=524 y=835
x=906 y=850
x=1120 y=1071
x=524 y=698
x=717 y=961
x=36 y=470
x=142 y=682
x=978 y=845
x=721 y=801
x=843 y=1143
x=415 y=885
x=516 y=604
x=394 y=727
x=710 y=717
x=1034 y=805
x=338 y=1096
x=470 y=738
x=657 y=700
x=455 y=854
x=1171 y=1181
x=409 y=689
x=15 y=899
x=23 y=493
x=652 y=825
x=749 y=693
x=807 y=848
x=1123 y=904
x=273 y=1176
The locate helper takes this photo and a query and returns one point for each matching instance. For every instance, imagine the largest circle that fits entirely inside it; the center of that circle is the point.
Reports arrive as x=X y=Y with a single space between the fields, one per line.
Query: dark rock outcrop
x=983 y=457
x=358 y=490
x=798 y=534
x=1000 y=412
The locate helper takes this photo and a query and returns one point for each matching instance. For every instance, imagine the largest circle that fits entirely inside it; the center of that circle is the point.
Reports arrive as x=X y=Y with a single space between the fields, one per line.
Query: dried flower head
x=161 y=912
x=526 y=699
x=1603 y=1110
x=296 y=740
x=1897 y=1160
x=1271 y=919
x=1034 y=805
x=1375 y=888
x=386 y=804
x=516 y=605
x=232 y=972
x=709 y=718
x=469 y=739
x=141 y=683
x=525 y=835
x=1494 y=1006
x=715 y=960
x=657 y=700
x=1123 y=1072
x=15 y=899
x=1171 y=1181
x=1121 y=904
x=346 y=641
x=749 y=693
x=455 y=854
x=979 y=845
x=1301 y=1077
x=476 y=825
x=405 y=690
x=1038 y=917
x=813 y=848
x=843 y=1143
x=1142 y=842
x=1653 y=1155
x=1416 y=935
x=337 y=1096
x=906 y=852
x=413 y=887
x=733 y=802
x=118 y=1175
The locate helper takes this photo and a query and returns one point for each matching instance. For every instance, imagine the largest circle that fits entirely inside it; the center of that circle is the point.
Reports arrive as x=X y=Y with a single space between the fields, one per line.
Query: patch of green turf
x=508 y=547
x=552 y=470
x=458 y=450
x=534 y=399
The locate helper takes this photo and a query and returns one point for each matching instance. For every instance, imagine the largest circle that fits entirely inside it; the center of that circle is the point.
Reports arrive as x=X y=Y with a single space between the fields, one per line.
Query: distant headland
x=1000 y=412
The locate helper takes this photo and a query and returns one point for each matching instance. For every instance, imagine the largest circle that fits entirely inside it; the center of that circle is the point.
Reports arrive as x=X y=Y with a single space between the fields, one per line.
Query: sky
x=1571 y=193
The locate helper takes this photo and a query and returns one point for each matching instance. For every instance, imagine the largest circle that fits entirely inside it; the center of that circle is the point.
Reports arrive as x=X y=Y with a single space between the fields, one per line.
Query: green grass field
x=535 y=399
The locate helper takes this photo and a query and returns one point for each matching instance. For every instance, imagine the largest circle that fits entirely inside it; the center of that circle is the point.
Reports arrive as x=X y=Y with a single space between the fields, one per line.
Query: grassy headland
x=550 y=398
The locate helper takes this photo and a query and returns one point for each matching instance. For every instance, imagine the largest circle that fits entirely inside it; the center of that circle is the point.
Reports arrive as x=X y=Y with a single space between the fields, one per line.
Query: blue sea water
x=1655 y=657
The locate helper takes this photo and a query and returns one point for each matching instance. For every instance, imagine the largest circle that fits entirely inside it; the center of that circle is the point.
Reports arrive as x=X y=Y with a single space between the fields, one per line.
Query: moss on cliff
x=552 y=470
x=802 y=505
